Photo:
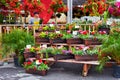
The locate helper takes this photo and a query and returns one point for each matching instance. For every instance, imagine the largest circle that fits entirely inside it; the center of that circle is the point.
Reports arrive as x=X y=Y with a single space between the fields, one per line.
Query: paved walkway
x=9 y=72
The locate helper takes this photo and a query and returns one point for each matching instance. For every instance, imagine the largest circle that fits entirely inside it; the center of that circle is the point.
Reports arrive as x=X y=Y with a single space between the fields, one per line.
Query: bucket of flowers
x=36 y=67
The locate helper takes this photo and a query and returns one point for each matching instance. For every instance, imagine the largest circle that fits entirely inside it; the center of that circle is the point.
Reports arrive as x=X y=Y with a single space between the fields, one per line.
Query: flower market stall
x=91 y=39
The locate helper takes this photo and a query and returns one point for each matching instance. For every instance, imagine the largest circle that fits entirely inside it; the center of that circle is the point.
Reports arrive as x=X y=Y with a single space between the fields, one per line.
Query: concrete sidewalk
x=59 y=71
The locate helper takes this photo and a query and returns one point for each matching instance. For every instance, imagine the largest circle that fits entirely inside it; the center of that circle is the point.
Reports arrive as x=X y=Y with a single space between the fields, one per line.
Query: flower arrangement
x=114 y=9
x=36 y=65
x=95 y=7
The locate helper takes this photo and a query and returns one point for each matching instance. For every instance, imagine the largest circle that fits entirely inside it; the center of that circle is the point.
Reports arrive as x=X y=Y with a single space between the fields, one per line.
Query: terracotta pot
x=86 y=57
x=74 y=41
x=63 y=56
x=32 y=71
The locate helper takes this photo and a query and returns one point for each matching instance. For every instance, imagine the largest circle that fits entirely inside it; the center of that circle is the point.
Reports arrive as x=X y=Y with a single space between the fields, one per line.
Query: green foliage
x=45 y=28
x=103 y=25
x=42 y=67
x=43 y=35
x=15 y=41
x=111 y=47
x=77 y=52
x=57 y=51
x=67 y=36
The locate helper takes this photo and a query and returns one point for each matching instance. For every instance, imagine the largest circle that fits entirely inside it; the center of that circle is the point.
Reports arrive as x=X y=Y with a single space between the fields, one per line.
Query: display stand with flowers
x=37 y=67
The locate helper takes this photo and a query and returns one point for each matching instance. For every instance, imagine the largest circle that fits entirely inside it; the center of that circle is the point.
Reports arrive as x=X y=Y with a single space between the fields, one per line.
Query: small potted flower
x=104 y=27
x=36 y=67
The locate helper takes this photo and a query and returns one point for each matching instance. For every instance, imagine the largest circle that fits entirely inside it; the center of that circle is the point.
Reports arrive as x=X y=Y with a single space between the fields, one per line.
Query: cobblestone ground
x=9 y=72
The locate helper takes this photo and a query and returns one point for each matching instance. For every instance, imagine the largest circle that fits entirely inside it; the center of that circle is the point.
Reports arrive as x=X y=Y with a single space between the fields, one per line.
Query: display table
x=86 y=64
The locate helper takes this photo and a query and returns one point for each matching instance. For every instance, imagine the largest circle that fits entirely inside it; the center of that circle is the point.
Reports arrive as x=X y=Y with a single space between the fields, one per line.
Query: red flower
x=45 y=62
x=60 y=2
x=40 y=60
x=93 y=32
x=84 y=32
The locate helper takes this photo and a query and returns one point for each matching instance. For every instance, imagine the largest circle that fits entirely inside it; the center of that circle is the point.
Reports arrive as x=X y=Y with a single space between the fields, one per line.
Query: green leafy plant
x=110 y=48
x=15 y=41
x=67 y=36
x=45 y=28
x=43 y=35
x=77 y=52
x=57 y=51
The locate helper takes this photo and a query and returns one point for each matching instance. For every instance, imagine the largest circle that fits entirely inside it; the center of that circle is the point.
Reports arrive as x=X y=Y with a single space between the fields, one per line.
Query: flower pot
x=92 y=42
x=86 y=57
x=63 y=56
x=116 y=71
x=57 y=40
x=29 y=55
x=32 y=71
x=41 y=40
x=74 y=41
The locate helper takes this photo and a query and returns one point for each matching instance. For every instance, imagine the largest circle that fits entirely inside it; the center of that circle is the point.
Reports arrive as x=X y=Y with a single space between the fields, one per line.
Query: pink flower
x=117 y=4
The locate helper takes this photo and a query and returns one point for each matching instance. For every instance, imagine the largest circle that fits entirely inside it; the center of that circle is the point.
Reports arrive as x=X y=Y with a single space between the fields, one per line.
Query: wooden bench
x=86 y=64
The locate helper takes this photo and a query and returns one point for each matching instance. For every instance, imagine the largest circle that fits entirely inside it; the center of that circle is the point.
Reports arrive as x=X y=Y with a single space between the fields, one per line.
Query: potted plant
x=56 y=38
x=110 y=51
x=31 y=53
x=42 y=38
x=92 y=38
x=70 y=39
x=85 y=54
x=62 y=53
x=14 y=41
x=37 y=67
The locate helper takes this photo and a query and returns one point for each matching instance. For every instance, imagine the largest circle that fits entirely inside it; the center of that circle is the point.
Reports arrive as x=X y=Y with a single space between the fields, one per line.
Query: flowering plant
x=58 y=6
x=95 y=7
x=36 y=65
x=114 y=9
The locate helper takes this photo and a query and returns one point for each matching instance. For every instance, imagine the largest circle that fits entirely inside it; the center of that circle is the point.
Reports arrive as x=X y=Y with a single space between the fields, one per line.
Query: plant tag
x=76 y=26
x=28 y=46
x=109 y=22
x=44 y=46
x=51 y=25
x=74 y=32
x=58 y=32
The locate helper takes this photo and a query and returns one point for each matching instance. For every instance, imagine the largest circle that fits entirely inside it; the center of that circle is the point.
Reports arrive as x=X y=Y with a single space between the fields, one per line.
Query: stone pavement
x=57 y=72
